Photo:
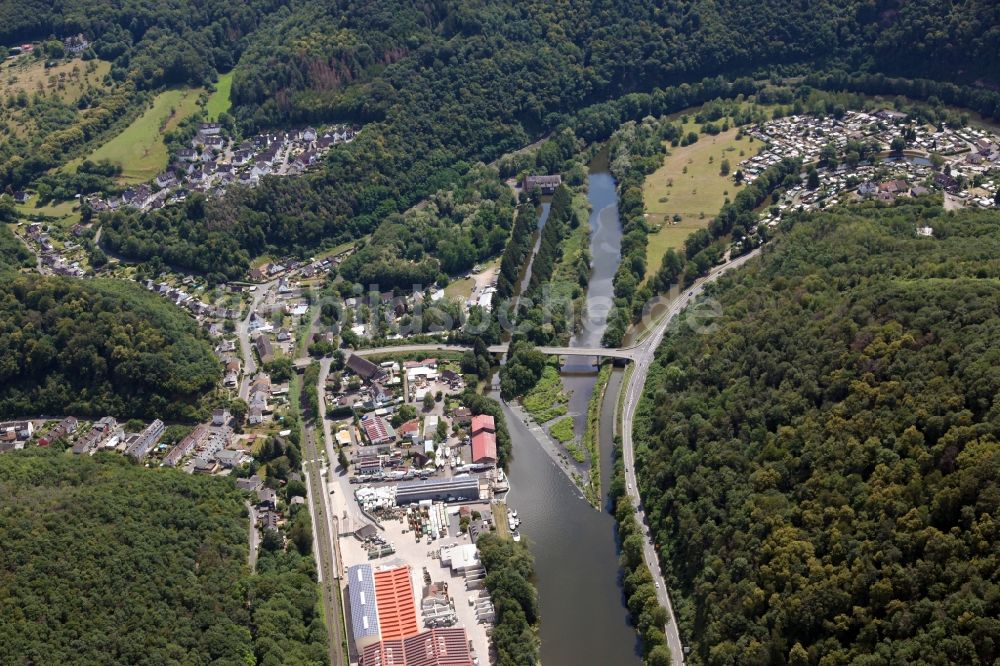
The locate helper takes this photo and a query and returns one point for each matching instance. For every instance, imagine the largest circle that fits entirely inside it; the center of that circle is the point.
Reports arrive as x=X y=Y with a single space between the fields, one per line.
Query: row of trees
x=543 y=308
x=510 y=570
x=647 y=615
x=820 y=471
x=515 y=254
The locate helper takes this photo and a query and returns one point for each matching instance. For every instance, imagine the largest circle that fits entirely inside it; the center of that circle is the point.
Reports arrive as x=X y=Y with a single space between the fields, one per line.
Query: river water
x=584 y=620
x=580 y=374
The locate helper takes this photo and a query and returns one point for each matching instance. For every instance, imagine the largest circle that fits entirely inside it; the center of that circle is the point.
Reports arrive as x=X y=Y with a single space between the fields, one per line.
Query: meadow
x=690 y=186
x=219 y=101
x=66 y=80
x=139 y=148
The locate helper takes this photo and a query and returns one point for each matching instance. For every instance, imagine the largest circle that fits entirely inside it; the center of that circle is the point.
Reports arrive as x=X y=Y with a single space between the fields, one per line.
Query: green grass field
x=462 y=287
x=689 y=184
x=139 y=149
x=65 y=213
x=219 y=102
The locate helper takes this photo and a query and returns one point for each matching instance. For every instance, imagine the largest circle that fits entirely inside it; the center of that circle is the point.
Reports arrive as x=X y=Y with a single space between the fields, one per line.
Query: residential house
x=59 y=431
x=186 y=445
x=140 y=448
x=220 y=417
x=21 y=429
x=264 y=349
x=267 y=498
x=461 y=415
x=252 y=483
x=232 y=376
x=205 y=466
x=365 y=369
x=99 y=433
x=166 y=179
x=230 y=459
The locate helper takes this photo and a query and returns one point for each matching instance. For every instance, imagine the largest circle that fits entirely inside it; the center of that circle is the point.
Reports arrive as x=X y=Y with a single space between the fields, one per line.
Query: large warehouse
x=364 y=608
x=458 y=488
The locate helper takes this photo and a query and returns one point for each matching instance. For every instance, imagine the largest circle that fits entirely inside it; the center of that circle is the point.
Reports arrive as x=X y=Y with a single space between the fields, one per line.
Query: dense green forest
x=444 y=84
x=449 y=234
x=821 y=470
x=108 y=563
x=153 y=44
x=95 y=347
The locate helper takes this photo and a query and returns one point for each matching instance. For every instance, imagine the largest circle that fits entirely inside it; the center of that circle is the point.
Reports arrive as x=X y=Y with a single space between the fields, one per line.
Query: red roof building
x=397 y=608
x=377 y=430
x=434 y=647
x=484 y=448
x=483 y=423
x=409 y=429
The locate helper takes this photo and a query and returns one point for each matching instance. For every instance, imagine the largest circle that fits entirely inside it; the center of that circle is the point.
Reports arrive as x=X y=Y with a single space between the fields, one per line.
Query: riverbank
x=591 y=436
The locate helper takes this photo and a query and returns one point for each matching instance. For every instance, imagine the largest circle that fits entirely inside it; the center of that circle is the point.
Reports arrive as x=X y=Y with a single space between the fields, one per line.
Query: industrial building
x=364 y=612
x=434 y=647
x=397 y=607
x=457 y=488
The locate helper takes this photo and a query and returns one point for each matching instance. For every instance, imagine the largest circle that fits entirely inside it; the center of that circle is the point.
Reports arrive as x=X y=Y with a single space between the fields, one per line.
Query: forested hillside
x=108 y=563
x=94 y=347
x=821 y=470
x=153 y=44
x=441 y=85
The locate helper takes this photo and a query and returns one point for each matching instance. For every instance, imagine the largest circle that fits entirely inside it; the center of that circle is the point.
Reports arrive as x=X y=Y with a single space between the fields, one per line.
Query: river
x=580 y=374
x=583 y=615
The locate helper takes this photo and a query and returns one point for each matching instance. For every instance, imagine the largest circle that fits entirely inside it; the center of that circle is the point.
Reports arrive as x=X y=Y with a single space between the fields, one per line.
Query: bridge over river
x=624 y=353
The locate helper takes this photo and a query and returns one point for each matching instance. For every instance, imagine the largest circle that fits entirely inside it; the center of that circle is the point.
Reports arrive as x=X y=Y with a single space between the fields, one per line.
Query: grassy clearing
x=562 y=430
x=462 y=287
x=139 y=149
x=690 y=185
x=546 y=400
x=64 y=213
x=219 y=102
x=66 y=80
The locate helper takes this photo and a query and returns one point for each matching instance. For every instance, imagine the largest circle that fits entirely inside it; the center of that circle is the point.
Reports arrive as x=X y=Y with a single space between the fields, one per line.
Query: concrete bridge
x=623 y=353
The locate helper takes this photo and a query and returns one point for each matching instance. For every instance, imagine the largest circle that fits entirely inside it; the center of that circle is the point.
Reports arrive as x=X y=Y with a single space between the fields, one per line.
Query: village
x=214 y=161
x=879 y=156
x=414 y=483
x=420 y=483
